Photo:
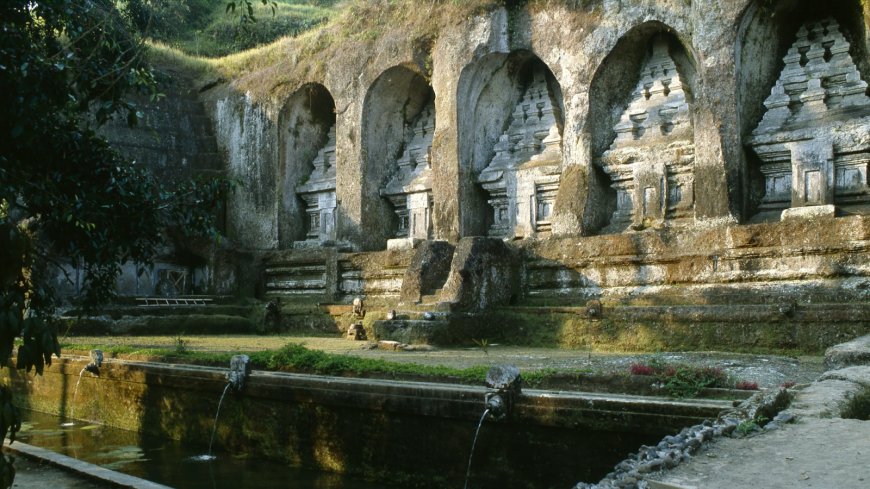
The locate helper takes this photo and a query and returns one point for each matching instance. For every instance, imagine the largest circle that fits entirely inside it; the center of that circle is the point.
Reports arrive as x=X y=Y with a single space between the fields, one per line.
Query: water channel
x=168 y=462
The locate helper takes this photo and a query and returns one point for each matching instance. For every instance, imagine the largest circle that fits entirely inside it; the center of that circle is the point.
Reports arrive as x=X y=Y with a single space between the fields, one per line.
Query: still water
x=168 y=462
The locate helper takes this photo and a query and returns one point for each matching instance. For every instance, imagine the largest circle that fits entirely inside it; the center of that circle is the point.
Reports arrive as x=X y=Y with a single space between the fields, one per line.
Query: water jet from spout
x=473 y=443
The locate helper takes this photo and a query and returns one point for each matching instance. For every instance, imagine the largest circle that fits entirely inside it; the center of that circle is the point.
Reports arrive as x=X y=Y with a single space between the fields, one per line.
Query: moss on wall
x=570 y=328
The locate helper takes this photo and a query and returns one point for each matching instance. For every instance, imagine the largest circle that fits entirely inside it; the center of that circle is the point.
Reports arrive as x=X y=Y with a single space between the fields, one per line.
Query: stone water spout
x=94 y=369
x=96 y=362
x=240 y=369
x=505 y=384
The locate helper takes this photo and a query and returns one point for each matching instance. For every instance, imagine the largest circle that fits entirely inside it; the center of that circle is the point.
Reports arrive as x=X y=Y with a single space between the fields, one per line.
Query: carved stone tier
x=319 y=196
x=651 y=160
x=523 y=177
x=410 y=189
x=814 y=139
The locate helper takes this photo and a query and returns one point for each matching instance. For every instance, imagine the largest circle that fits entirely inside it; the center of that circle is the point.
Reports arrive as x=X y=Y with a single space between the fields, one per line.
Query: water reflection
x=168 y=462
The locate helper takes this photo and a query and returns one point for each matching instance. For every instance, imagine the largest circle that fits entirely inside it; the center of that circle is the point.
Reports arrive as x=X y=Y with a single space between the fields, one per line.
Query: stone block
x=859 y=374
x=403 y=244
x=412 y=331
x=484 y=274
x=855 y=352
x=809 y=212
x=427 y=271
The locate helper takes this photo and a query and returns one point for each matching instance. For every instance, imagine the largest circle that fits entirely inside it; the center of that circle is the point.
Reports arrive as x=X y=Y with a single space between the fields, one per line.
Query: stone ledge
x=95 y=472
x=809 y=212
x=855 y=352
x=857 y=375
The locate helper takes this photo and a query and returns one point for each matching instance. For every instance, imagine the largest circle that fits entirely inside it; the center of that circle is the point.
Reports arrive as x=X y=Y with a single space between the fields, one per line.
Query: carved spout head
x=240 y=369
x=93 y=368
x=97 y=358
x=496 y=405
x=506 y=385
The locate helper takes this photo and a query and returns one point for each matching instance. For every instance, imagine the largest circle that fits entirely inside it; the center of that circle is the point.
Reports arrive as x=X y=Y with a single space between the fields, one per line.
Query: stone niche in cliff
x=650 y=163
x=410 y=189
x=306 y=186
x=397 y=127
x=319 y=195
x=814 y=138
x=522 y=178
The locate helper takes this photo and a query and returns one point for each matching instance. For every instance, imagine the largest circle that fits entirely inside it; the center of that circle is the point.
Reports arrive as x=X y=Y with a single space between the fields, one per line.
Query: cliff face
x=728 y=55
x=611 y=141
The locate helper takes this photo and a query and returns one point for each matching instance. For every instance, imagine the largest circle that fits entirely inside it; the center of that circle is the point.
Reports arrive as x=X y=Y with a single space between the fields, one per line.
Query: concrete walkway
x=37 y=467
x=820 y=450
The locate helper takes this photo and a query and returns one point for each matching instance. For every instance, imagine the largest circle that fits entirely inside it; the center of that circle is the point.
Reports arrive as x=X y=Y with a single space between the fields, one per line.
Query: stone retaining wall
x=419 y=432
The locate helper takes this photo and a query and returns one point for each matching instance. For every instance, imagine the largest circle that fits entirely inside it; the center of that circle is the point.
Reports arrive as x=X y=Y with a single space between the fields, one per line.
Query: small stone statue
x=359 y=310
x=273 y=312
x=357 y=332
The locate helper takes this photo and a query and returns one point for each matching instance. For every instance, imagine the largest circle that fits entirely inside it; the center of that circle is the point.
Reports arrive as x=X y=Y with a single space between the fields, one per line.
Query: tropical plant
x=66 y=68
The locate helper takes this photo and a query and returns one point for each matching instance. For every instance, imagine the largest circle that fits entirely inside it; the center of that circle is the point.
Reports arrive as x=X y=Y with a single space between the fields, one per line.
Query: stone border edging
x=89 y=470
x=631 y=473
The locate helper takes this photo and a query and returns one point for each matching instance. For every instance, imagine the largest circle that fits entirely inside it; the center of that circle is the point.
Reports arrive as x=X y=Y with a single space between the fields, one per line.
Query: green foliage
x=682 y=380
x=483 y=344
x=296 y=358
x=690 y=381
x=180 y=345
x=748 y=426
x=213 y=28
x=66 y=68
x=857 y=405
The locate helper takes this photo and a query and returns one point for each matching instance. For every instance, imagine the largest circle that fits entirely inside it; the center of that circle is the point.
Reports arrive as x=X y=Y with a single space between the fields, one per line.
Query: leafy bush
x=641 y=369
x=746 y=385
x=857 y=405
x=682 y=380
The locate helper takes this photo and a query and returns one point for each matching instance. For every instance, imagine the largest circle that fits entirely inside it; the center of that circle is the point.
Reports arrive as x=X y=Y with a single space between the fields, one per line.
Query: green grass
x=294 y=357
x=205 y=27
x=223 y=33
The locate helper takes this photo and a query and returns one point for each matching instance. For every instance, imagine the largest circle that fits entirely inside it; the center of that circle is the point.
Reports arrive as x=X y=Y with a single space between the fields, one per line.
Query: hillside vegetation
x=349 y=26
x=206 y=28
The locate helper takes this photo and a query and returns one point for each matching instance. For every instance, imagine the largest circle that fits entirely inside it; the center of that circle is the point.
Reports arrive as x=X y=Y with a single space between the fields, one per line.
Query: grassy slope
x=355 y=25
x=219 y=33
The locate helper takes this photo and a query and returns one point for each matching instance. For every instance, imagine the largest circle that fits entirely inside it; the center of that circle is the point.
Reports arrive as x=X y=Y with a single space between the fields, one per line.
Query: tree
x=67 y=67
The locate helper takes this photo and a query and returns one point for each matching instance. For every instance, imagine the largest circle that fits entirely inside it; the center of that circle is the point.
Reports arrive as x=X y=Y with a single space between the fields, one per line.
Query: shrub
x=682 y=380
x=641 y=369
x=746 y=385
x=857 y=405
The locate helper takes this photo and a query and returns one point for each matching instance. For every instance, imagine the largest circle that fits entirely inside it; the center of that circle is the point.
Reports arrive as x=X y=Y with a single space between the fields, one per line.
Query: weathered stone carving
x=651 y=160
x=318 y=192
x=814 y=139
x=410 y=189
x=523 y=177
